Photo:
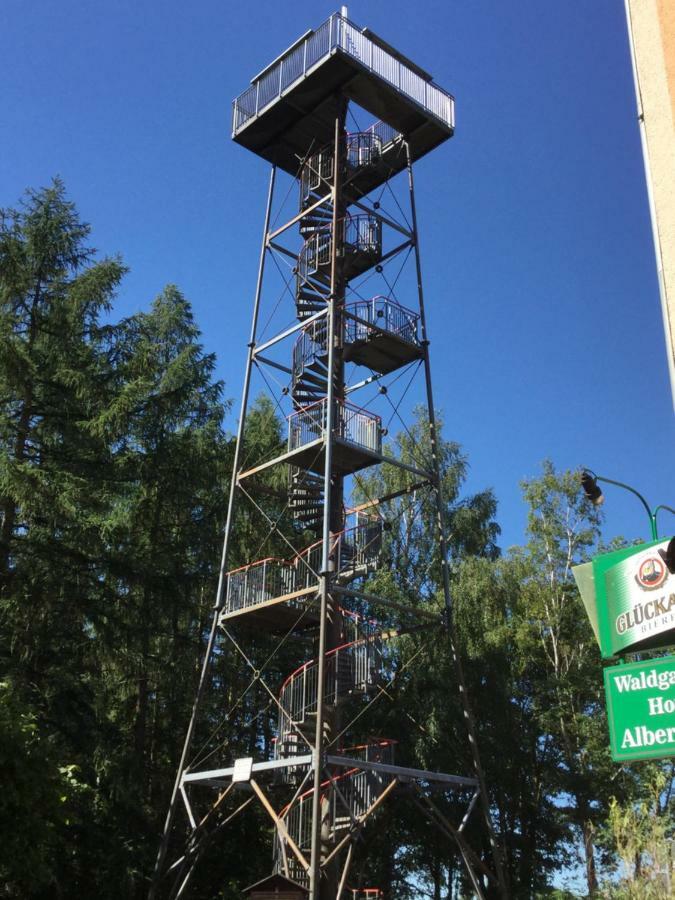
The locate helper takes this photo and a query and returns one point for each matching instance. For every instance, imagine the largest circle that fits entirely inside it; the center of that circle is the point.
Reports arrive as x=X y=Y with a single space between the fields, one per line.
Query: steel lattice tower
x=327 y=775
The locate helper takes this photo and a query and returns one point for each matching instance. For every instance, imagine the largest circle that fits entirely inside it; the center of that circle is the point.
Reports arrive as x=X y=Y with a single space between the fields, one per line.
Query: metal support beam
x=215 y=777
x=199 y=842
x=360 y=822
x=384 y=219
x=273 y=363
x=471 y=860
x=345 y=872
x=289 y=331
x=280 y=824
x=369 y=504
x=294 y=221
x=432 y=618
x=401 y=773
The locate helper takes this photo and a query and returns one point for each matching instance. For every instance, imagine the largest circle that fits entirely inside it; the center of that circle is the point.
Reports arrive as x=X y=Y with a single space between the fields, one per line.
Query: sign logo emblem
x=652 y=573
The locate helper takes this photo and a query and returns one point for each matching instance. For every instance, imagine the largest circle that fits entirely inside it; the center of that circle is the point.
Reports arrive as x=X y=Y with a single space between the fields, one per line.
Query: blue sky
x=541 y=289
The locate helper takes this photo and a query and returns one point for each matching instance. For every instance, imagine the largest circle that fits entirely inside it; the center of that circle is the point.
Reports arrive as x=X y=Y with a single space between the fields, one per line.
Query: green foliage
x=33 y=800
x=640 y=831
x=422 y=711
x=114 y=478
x=113 y=474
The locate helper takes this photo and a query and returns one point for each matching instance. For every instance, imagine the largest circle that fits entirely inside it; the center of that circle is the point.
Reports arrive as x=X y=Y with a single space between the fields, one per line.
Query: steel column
x=326 y=574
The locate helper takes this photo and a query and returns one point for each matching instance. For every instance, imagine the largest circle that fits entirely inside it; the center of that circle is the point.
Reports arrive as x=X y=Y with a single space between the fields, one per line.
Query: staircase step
x=312 y=375
x=309 y=520
x=307 y=509
x=314 y=223
x=306 y=293
x=306 y=398
x=322 y=278
x=317 y=363
x=308 y=387
x=315 y=386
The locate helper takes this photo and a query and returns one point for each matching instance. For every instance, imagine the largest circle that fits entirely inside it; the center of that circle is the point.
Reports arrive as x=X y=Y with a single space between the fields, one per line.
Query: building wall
x=651 y=29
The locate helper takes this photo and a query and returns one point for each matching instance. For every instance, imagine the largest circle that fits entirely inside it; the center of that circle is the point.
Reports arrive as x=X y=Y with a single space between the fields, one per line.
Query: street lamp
x=589 y=482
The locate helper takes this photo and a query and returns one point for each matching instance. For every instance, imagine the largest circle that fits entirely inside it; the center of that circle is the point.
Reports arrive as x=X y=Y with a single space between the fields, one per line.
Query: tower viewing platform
x=291 y=105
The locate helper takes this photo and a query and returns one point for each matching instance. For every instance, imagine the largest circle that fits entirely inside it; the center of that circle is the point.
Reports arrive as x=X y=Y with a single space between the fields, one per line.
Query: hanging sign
x=629 y=597
x=640 y=601
x=641 y=709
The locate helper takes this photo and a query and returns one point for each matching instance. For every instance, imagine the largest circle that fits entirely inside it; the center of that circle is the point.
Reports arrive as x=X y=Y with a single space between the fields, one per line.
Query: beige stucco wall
x=651 y=27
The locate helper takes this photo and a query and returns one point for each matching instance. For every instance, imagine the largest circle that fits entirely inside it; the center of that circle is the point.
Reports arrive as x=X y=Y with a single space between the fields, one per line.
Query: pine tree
x=54 y=381
x=162 y=535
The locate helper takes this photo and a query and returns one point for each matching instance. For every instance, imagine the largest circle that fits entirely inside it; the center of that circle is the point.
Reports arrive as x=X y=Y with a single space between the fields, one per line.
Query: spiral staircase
x=278 y=594
x=379 y=333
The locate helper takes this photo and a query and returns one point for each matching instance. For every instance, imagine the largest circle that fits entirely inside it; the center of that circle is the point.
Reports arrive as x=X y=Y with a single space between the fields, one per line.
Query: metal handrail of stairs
x=362 y=236
x=384 y=134
x=363 y=148
x=352 y=668
x=310 y=347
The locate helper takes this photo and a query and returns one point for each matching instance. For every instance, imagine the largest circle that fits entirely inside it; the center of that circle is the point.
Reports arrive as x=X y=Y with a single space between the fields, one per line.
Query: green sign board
x=641 y=709
x=629 y=596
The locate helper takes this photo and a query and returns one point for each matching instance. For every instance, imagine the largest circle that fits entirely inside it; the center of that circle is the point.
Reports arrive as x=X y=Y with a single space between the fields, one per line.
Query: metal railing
x=378 y=751
x=292 y=65
x=270 y=578
x=353 y=667
x=361 y=234
x=339 y=34
x=310 y=347
x=360 y=544
x=353 y=425
x=355 y=549
x=379 y=312
x=363 y=148
x=386 y=134
x=314 y=254
x=383 y=313
x=315 y=175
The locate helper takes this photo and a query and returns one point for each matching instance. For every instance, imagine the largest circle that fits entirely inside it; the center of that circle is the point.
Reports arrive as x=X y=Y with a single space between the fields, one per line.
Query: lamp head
x=590 y=485
x=668 y=556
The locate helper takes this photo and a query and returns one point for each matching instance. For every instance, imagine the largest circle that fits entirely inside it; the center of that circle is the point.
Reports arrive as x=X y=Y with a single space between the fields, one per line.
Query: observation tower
x=325 y=620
